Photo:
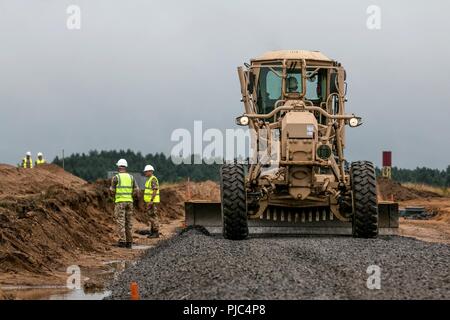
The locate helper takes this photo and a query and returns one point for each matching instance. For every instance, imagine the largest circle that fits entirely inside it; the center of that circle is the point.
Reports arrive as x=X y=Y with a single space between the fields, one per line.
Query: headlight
x=242 y=121
x=354 y=122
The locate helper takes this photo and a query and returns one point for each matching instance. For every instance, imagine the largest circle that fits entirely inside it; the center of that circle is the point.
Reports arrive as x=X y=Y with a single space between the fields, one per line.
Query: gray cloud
x=139 y=69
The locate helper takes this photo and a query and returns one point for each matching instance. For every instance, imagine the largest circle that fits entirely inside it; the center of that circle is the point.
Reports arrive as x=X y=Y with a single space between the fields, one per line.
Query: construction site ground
x=51 y=220
x=435 y=229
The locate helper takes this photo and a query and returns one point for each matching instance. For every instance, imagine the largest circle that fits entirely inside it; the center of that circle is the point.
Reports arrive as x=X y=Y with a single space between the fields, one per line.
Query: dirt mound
x=388 y=188
x=173 y=197
x=180 y=193
x=48 y=216
x=20 y=181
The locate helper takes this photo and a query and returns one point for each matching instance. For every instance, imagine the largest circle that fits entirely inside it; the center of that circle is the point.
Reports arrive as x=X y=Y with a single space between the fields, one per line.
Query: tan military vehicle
x=297 y=180
x=298 y=96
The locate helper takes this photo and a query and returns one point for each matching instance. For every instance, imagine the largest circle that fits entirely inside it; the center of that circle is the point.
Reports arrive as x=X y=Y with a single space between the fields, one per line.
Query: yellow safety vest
x=149 y=191
x=124 y=187
x=27 y=163
x=38 y=162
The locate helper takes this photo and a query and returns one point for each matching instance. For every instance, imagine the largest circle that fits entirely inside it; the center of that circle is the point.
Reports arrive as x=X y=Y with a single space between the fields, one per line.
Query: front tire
x=365 y=203
x=234 y=202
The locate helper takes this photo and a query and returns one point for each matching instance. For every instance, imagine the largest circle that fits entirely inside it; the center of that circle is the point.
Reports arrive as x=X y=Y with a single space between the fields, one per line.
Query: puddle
x=52 y=293
x=141 y=247
x=60 y=292
x=79 y=295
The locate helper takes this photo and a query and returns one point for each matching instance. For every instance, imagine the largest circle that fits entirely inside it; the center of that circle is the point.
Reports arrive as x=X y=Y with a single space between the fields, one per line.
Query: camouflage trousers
x=123 y=212
x=153 y=217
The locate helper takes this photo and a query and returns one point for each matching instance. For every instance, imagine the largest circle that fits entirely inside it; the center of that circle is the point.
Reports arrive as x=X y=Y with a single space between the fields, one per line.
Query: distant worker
x=27 y=162
x=151 y=200
x=40 y=159
x=123 y=187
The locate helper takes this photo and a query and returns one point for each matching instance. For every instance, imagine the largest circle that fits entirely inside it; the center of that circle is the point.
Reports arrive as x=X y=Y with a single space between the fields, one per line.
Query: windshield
x=270 y=86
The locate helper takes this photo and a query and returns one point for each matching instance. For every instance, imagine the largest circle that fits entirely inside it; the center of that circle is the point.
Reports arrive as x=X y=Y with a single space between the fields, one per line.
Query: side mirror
x=355 y=122
x=242 y=121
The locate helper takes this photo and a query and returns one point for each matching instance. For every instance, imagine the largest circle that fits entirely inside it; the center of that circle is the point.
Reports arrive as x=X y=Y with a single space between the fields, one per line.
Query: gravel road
x=196 y=266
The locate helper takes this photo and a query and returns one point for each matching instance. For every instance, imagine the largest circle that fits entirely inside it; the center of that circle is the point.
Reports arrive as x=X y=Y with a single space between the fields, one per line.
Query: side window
x=273 y=83
x=311 y=87
x=316 y=86
x=269 y=89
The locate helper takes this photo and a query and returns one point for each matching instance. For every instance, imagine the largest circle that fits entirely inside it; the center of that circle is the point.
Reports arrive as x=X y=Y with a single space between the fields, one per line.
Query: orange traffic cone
x=134 y=291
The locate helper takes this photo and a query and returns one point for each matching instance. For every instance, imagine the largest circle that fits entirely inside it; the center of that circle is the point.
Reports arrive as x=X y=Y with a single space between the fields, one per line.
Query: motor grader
x=297 y=179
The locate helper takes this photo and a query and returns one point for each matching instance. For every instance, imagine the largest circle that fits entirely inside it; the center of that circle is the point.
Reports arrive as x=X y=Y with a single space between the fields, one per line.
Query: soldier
x=123 y=187
x=27 y=162
x=40 y=159
x=292 y=84
x=151 y=200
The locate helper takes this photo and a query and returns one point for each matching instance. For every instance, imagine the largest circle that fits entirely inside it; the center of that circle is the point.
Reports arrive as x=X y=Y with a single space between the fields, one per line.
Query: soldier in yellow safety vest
x=27 y=162
x=123 y=187
x=151 y=200
x=40 y=159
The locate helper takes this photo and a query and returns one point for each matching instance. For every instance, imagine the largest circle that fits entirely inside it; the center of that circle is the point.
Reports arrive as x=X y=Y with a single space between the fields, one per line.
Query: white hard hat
x=149 y=168
x=29 y=153
x=39 y=154
x=122 y=163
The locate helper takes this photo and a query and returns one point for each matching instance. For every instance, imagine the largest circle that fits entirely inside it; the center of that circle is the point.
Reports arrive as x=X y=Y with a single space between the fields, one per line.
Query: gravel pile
x=195 y=266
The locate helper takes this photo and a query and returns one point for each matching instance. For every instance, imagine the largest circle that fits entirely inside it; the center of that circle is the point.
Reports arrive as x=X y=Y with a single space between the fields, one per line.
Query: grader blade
x=208 y=214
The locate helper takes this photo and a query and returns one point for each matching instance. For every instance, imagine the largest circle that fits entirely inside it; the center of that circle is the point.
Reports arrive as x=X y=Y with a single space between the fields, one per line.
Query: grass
x=427 y=188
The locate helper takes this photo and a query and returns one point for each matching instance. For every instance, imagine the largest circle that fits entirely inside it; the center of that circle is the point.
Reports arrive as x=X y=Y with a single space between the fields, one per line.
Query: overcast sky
x=137 y=70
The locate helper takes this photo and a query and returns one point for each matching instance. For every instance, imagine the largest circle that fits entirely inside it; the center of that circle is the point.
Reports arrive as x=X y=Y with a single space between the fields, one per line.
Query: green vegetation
x=95 y=165
x=432 y=177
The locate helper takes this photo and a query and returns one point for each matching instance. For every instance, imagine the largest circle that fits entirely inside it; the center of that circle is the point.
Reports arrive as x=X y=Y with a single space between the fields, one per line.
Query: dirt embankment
x=47 y=216
x=436 y=229
x=388 y=189
x=50 y=218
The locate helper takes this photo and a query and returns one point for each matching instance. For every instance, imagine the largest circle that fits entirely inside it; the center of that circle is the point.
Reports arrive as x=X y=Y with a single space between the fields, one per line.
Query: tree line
x=422 y=175
x=95 y=165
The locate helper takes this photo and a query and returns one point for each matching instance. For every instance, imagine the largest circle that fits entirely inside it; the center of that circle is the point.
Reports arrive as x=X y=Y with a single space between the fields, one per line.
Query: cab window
x=315 y=85
x=269 y=88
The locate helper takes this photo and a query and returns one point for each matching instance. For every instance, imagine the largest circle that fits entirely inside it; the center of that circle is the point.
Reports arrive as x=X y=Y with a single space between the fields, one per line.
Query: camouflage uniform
x=123 y=211
x=152 y=211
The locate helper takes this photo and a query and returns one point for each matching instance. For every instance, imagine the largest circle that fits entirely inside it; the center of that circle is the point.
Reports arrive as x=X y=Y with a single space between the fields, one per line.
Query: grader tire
x=365 y=206
x=234 y=202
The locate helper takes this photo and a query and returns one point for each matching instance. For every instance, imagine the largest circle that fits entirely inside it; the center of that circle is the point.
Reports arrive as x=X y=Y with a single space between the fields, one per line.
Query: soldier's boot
x=121 y=244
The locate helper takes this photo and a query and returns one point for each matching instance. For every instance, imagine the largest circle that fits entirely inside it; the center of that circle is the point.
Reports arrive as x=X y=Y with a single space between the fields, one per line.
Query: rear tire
x=234 y=202
x=365 y=203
